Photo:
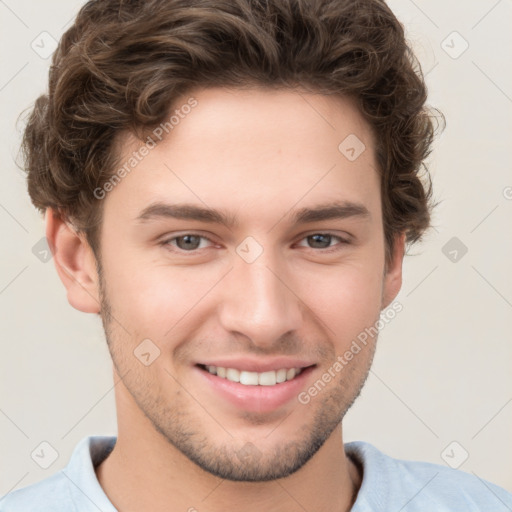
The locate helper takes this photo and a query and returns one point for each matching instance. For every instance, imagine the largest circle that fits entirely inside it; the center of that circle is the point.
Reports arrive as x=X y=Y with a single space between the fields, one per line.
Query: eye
x=323 y=240
x=191 y=242
x=188 y=242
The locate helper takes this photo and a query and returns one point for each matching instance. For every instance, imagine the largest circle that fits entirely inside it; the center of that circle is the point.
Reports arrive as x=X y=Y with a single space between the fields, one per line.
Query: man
x=231 y=186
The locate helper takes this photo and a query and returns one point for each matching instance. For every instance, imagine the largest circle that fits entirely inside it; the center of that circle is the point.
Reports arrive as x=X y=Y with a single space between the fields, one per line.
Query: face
x=267 y=276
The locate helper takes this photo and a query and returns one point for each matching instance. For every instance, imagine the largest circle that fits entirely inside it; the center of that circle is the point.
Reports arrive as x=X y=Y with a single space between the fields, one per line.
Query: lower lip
x=256 y=398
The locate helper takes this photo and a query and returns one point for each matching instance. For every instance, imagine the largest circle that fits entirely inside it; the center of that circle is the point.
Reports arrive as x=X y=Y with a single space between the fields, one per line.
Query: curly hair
x=123 y=63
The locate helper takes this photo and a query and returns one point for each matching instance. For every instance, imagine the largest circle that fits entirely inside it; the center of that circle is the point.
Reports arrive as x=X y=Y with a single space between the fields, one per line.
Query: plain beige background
x=441 y=384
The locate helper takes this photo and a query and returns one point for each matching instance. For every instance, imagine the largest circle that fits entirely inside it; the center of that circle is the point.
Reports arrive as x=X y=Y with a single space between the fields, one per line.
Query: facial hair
x=180 y=427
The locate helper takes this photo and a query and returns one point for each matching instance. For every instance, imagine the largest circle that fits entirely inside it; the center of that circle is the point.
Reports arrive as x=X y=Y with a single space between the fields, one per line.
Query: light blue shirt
x=388 y=484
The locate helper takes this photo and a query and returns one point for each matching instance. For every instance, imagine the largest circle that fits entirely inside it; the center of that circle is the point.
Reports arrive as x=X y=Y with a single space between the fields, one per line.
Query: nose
x=259 y=301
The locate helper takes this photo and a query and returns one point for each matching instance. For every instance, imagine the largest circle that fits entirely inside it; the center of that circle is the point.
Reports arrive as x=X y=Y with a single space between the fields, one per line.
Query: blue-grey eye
x=189 y=242
x=320 y=241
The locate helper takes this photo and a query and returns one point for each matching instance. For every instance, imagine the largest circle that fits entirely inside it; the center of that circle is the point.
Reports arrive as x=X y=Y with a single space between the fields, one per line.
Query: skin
x=260 y=155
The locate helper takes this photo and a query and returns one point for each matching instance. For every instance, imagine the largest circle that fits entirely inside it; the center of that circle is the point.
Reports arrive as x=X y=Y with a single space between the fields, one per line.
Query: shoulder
x=389 y=482
x=71 y=489
x=46 y=494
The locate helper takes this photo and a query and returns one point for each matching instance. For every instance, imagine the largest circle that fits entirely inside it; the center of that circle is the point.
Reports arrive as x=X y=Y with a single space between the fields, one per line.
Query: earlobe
x=393 y=277
x=75 y=263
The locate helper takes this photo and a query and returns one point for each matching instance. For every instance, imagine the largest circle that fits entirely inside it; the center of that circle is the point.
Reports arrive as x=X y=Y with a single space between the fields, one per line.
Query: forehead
x=255 y=149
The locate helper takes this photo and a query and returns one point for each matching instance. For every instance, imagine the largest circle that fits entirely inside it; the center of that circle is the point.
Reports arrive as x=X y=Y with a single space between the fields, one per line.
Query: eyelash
x=167 y=242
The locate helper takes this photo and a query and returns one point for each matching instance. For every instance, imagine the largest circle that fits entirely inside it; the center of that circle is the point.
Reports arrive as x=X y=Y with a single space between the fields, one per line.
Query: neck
x=145 y=472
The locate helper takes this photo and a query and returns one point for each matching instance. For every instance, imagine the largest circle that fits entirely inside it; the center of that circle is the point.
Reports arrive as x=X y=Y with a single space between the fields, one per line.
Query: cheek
x=151 y=298
x=346 y=298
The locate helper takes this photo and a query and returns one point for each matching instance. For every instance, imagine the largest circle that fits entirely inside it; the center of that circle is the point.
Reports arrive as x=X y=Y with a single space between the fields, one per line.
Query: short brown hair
x=122 y=64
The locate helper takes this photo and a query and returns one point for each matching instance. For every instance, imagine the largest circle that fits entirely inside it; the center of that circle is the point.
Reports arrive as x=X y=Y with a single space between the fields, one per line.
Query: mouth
x=247 y=378
x=255 y=391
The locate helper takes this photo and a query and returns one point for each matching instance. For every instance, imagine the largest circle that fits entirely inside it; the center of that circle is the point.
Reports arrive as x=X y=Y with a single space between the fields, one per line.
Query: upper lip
x=258 y=365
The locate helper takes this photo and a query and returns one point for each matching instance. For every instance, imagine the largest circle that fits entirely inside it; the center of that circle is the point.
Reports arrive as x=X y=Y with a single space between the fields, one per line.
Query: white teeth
x=249 y=378
x=267 y=378
x=281 y=375
x=232 y=375
x=270 y=378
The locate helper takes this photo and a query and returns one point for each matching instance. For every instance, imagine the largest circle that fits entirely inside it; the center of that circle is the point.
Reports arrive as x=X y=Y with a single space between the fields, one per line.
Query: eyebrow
x=185 y=211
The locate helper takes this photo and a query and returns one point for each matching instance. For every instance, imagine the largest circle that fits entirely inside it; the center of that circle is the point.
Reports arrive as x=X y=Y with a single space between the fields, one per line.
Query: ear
x=75 y=263
x=393 y=277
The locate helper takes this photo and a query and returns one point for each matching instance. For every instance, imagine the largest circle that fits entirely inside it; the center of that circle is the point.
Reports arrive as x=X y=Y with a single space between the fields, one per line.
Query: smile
x=269 y=378
x=254 y=384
